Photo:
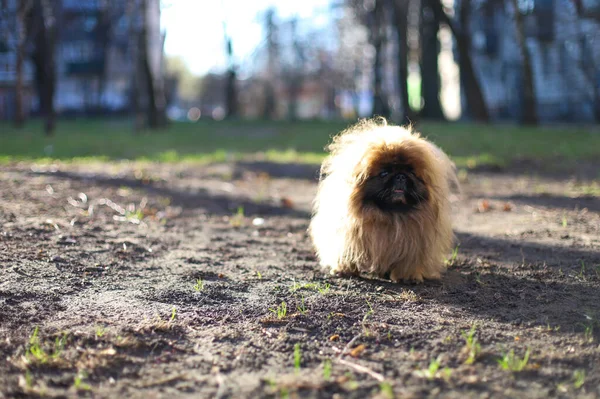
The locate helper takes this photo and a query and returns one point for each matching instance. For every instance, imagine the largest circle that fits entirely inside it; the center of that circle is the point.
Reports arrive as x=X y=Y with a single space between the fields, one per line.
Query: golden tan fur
x=351 y=237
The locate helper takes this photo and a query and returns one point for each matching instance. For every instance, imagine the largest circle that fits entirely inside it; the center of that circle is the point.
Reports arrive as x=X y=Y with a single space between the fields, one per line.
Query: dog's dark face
x=394 y=187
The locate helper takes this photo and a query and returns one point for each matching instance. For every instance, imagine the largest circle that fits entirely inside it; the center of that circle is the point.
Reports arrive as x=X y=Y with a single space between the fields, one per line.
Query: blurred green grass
x=280 y=141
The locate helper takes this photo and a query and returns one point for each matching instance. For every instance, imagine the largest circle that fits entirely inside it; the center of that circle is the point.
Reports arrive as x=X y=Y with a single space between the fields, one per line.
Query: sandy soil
x=165 y=281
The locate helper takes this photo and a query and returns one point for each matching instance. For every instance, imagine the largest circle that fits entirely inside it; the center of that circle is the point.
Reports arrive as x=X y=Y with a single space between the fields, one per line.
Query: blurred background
x=157 y=63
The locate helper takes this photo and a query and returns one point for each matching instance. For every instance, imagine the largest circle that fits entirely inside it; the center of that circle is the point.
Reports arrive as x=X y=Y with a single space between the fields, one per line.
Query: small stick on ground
x=362 y=369
x=348 y=345
x=357 y=367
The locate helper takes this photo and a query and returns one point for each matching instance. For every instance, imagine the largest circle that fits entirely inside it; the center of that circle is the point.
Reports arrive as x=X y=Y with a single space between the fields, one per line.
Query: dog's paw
x=416 y=276
x=343 y=271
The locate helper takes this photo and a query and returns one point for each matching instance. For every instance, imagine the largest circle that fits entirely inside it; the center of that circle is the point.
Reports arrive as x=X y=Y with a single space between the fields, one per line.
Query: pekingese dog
x=382 y=205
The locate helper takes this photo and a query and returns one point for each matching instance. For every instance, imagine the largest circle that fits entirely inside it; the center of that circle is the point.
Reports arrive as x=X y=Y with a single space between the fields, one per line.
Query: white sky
x=195 y=31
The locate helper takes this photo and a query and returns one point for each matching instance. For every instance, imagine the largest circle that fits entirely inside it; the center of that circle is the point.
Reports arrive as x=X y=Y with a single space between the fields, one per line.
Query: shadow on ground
x=530 y=291
x=555 y=201
x=279 y=170
x=215 y=204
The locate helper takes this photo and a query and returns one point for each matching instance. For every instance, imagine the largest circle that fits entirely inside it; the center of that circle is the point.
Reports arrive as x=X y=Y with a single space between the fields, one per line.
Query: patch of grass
x=452 y=259
x=386 y=390
x=79 y=384
x=100 y=331
x=280 y=311
x=431 y=371
x=472 y=345
x=512 y=362
x=327 y=369
x=470 y=145
x=199 y=286
x=446 y=374
x=321 y=288
x=324 y=289
x=297 y=357
x=588 y=333
x=366 y=317
x=302 y=307
x=592 y=189
x=578 y=378
x=238 y=219
x=37 y=353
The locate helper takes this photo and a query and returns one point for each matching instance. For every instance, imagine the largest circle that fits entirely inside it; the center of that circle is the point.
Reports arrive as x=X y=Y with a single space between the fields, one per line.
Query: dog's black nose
x=401 y=177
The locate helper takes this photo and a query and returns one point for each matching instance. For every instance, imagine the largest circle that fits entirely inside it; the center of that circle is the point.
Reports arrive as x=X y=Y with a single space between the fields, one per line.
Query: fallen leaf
x=507 y=207
x=342 y=379
x=356 y=352
x=286 y=202
x=484 y=206
x=334 y=337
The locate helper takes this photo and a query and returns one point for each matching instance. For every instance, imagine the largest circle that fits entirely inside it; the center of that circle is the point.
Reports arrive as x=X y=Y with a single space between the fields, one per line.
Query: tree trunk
x=269 y=104
x=44 y=60
x=401 y=27
x=293 y=94
x=529 y=116
x=231 y=94
x=151 y=69
x=230 y=89
x=475 y=101
x=22 y=11
x=430 y=76
x=231 y=101
x=380 y=105
x=297 y=73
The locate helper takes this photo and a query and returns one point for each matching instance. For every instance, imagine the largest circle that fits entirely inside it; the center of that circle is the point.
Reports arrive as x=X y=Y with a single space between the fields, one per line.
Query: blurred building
x=95 y=55
x=8 y=60
x=563 y=38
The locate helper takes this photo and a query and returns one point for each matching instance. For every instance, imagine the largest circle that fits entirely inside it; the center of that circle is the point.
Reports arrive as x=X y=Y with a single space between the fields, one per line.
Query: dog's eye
x=384 y=173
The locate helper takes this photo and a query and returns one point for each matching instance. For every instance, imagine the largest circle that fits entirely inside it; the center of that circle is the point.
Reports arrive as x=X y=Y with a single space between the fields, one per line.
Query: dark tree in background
x=272 y=61
x=23 y=11
x=476 y=104
x=231 y=100
x=42 y=25
x=529 y=115
x=401 y=8
x=150 y=100
x=377 y=29
x=587 y=63
x=296 y=74
x=430 y=76
x=36 y=30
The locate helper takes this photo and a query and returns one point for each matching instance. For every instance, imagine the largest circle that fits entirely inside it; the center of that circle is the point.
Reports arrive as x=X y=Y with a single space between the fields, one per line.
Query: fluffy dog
x=382 y=205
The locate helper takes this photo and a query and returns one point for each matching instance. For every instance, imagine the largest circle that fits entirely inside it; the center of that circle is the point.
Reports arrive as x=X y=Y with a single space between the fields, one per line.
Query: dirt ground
x=125 y=280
